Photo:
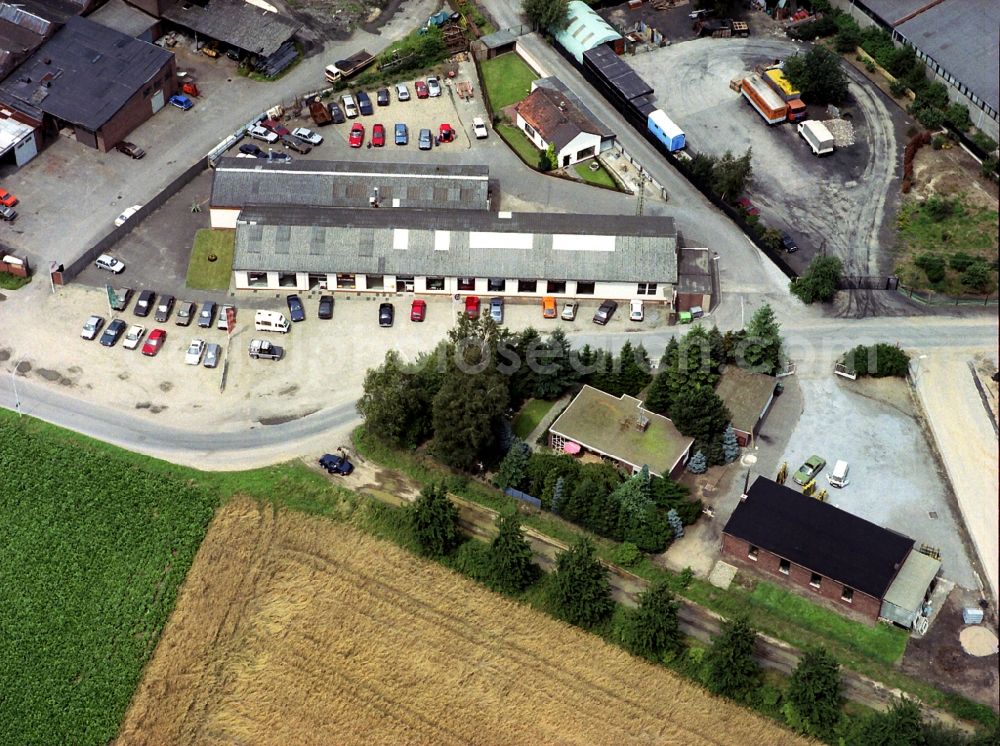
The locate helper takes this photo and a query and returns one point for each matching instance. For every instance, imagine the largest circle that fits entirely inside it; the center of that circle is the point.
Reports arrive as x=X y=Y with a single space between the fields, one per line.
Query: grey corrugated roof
x=235 y=22
x=892 y=11
x=610 y=248
x=962 y=36
x=498 y=39
x=244 y=181
x=91 y=71
x=557 y=85
x=121 y=16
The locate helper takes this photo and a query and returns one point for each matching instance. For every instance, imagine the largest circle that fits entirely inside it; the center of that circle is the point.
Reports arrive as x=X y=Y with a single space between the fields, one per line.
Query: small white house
x=548 y=116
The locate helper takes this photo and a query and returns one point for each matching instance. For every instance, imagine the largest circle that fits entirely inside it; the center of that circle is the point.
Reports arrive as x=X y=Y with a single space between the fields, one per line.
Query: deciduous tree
x=731 y=174
x=820 y=281
x=818 y=75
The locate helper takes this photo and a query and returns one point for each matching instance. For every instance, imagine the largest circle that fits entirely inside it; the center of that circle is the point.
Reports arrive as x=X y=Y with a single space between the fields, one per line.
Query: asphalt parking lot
x=840 y=204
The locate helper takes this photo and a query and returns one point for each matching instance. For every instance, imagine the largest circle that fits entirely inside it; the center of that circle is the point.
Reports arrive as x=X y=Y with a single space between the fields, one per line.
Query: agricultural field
x=94 y=550
x=293 y=627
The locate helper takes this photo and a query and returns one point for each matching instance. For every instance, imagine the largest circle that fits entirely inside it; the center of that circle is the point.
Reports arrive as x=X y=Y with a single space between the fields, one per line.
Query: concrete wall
x=291 y=281
x=224 y=217
x=798 y=578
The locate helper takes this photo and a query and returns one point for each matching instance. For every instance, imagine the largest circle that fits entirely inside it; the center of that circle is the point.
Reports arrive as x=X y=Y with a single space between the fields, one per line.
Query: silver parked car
x=212 y=354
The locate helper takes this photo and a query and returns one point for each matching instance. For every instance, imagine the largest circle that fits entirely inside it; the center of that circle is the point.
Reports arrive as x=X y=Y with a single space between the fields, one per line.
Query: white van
x=270 y=321
x=838 y=477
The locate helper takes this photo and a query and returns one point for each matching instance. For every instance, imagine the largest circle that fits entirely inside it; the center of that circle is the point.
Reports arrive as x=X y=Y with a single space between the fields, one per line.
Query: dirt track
x=296 y=629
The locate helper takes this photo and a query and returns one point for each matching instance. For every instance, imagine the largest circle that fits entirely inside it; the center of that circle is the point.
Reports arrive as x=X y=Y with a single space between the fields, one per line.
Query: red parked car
x=154 y=342
x=7 y=199
x=418 y=311
x=747 y=206
x=378 y=135
x=276 y=127
x=446 y=133
x=472 y=306
x=357 y=137
x=421 y=89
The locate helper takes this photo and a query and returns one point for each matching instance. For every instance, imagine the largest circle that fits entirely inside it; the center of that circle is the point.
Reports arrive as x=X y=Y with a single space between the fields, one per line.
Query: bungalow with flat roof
x=618 y=428
x=748 y=397
x=829 y=553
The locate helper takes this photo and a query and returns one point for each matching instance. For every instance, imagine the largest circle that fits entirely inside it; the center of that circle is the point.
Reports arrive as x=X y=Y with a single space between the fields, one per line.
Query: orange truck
x=763 y=98
x=775 y=77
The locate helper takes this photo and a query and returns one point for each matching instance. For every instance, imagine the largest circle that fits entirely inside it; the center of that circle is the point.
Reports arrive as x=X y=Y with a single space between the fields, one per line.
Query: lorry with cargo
x=342 y=69
x=781 y=85
x=817 y=135
x=764 y=99
x=320 y=114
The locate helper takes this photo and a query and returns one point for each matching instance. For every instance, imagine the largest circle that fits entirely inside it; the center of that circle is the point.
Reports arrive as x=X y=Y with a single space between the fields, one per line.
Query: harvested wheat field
x=297 y=629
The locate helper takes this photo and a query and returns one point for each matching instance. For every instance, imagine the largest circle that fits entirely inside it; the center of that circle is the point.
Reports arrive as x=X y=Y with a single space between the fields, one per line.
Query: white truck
x=817 y=135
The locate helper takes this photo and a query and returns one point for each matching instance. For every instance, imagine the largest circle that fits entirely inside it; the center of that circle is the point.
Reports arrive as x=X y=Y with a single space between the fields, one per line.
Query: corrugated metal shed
x=585 y=30
x=905 y=597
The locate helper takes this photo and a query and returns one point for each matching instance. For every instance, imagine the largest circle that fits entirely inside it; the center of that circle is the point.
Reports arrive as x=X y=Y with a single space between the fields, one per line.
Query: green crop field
x=95 y=545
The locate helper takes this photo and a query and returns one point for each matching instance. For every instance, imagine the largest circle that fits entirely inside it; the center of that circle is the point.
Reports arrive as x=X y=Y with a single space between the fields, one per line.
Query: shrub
x=898 y=88
x=820 y=281
x=870 y=66
x=989 y=166
x=958 y=117
x=984 y=141
x=933 y=266
x=940 y=208
x=627 y=555
x=934 y=95
x=929 y=117
x=878 y=361
x=938 y=142
x=977 y=276
x=847 y=40
x=961 y=261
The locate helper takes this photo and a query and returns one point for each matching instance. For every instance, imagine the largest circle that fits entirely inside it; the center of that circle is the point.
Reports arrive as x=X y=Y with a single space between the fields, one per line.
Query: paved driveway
x=839 y=204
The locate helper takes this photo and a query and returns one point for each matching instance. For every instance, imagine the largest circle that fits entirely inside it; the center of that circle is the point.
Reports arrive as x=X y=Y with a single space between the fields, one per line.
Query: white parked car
x=262 y=133
x=92 y=327
x=307 y=135
x=194 y=352
x=433 y=87
x=108 y=262
x=635 y=310
x=402 y=92
x=128 y=213
x=569 y=310
x=350 y=108
x=133 y=336
x=479 y=128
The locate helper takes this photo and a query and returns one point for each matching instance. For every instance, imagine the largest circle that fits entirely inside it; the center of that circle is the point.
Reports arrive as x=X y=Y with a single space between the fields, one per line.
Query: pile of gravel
x=842 y=131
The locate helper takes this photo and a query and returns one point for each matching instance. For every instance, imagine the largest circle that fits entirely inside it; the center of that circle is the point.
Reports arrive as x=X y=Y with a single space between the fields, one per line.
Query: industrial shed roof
x=457 y=243
x=585 y=30
x=235 y=22
x=963 y=37
x=84 y=74
x=121 y=16
x=618 y=73
x=238 y=182
x=816 y=535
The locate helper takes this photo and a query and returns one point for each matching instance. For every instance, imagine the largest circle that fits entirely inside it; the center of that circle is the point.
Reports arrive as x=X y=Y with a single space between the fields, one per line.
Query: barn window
x=815 y=579
x=847 y=595
x=784 y=567
x=753 y=552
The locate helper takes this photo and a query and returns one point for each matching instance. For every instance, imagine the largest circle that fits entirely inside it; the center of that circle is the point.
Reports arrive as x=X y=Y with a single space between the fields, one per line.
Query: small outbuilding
x=748 y=397
x=585 y=30
x=497 y=43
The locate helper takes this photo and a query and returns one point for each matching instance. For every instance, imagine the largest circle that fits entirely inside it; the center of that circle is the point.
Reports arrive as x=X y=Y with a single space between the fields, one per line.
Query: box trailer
x=781 y=85
x=763 y=98
x=350 y=66
x=664 y=130
x=320 y=114
x=817 y=135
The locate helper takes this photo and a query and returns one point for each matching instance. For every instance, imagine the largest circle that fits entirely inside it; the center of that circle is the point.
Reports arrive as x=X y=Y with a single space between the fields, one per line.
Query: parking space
x=839 y=204
x=895 y=479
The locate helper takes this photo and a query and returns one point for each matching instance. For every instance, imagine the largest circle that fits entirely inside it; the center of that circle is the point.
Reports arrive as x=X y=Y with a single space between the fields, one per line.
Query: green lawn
x=507 y=80
x=203 y=274
x=12 y=282
x=601 y=177
x=519 y=142
x=530 y=415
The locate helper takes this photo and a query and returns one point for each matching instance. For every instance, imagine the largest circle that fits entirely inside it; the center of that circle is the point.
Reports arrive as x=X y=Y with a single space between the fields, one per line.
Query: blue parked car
x=181 y=101
x=336 y=464
x=402 y=135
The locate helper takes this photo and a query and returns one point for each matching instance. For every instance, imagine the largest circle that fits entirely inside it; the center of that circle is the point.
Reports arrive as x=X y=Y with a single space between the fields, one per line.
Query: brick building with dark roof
x=828 y=552
x=98 y=82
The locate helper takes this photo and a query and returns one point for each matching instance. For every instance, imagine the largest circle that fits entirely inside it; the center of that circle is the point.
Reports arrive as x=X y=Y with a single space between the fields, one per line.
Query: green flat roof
x=607 y=425
x=745 y=395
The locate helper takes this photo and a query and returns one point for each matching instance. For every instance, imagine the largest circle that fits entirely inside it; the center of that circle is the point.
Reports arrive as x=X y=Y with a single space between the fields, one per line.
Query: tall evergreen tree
x=581 y=593
x=730 y=445
x=659 y=395
x=730 y=669
x=762 y=348
x=466 y=411
x=434 y=520
x=700 y=414
x=815 y=695
x=510 y=564
x=651 y=630
x=514 y=467
x=633 y=367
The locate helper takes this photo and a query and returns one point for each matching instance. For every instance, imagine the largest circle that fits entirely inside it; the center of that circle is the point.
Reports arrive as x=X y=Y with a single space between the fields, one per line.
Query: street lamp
x=13 y=385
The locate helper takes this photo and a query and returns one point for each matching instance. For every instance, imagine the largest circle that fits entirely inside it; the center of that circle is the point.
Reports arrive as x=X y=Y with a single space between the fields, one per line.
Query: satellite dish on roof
x=265 y=6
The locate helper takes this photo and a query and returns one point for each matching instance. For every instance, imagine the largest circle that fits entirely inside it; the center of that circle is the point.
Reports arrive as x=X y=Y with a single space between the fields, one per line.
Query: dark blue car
x=181 y=101
x=336 y=464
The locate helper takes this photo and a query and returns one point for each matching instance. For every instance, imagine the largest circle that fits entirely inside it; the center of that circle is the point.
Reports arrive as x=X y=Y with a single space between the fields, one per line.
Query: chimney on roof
x=47 y=61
